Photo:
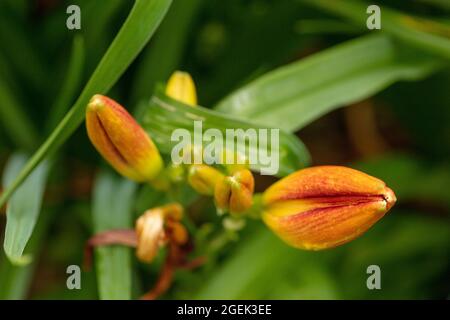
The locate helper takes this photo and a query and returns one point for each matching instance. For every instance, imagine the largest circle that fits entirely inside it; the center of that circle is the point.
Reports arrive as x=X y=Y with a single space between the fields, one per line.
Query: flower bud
x=203 y=178
x=235 y=193
x=181 y=87
x=323 y=207
x=157 y=226
x=121 y=141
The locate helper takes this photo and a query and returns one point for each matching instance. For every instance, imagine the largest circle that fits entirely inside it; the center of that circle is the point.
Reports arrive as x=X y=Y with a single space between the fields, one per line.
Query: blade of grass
x=71 y=82
x=137 y=30
x=23 y=208
x=164 y=115
x=14 y=120
x=15 y=280
x=162 y=55
x=98 y=16
x=112 y=209
x=297 y=94
x=444 y=4
x=424 y=34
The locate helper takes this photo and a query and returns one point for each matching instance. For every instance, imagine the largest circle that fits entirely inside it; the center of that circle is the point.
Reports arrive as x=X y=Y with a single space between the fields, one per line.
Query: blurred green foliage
x=229 y=45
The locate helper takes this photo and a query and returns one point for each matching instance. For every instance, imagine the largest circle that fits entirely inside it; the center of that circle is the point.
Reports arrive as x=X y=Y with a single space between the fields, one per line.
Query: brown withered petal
x=150 y=233
x=323 y=207
x=177 y=232
x=156 y=227
x=121 y=140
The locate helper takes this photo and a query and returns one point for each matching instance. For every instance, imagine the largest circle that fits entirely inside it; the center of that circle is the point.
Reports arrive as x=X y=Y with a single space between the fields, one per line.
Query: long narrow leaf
x=23 y=209
x=444 y=4
x=164 y=115
x=113 y=203
x=71 y=82
x=424 y=34
x=299 y=93
x=168 y=43
x=141 y=23
x=14 y=120
x=15 y=280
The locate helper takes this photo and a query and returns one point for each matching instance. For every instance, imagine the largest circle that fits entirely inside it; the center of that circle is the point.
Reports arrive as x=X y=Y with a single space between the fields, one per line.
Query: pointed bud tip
x=181 y=87
x=97 y=101
x=389 y=197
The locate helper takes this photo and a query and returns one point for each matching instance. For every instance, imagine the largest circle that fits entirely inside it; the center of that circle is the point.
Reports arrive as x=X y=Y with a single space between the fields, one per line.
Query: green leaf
x=14 y=120
x=71 y=83
x=444 y=4
x=263 y=267
x=299 y=93
x=424 y=34
x=15 y=280
x=137 y=30
x=164 y=115
x=112 y=209
x=169 y=42
x=98 y=17
x=23 y=209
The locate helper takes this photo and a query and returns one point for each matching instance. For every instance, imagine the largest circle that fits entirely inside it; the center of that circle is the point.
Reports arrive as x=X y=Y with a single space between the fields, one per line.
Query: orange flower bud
x=235 y=192
x=323 y=207
x=121 y=141
x=204 y=178
x=181 y=87
x=155 y=227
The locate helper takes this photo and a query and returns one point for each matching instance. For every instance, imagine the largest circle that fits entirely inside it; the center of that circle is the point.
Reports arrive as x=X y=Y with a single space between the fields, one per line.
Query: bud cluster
x=312 y=209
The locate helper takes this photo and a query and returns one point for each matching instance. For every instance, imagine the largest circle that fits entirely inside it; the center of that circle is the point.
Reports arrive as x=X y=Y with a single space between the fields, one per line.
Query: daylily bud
x=235 y=192
x=152 y=231
x=121 y=141
x=181 y=87
x=323 y=207
x=204 y=178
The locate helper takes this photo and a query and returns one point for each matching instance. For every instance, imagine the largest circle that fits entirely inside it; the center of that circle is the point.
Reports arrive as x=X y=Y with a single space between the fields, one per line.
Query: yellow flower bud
x=323 y=207
x=203 y=178
x=181 y=87
x=121 y=141
x=235 y=193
